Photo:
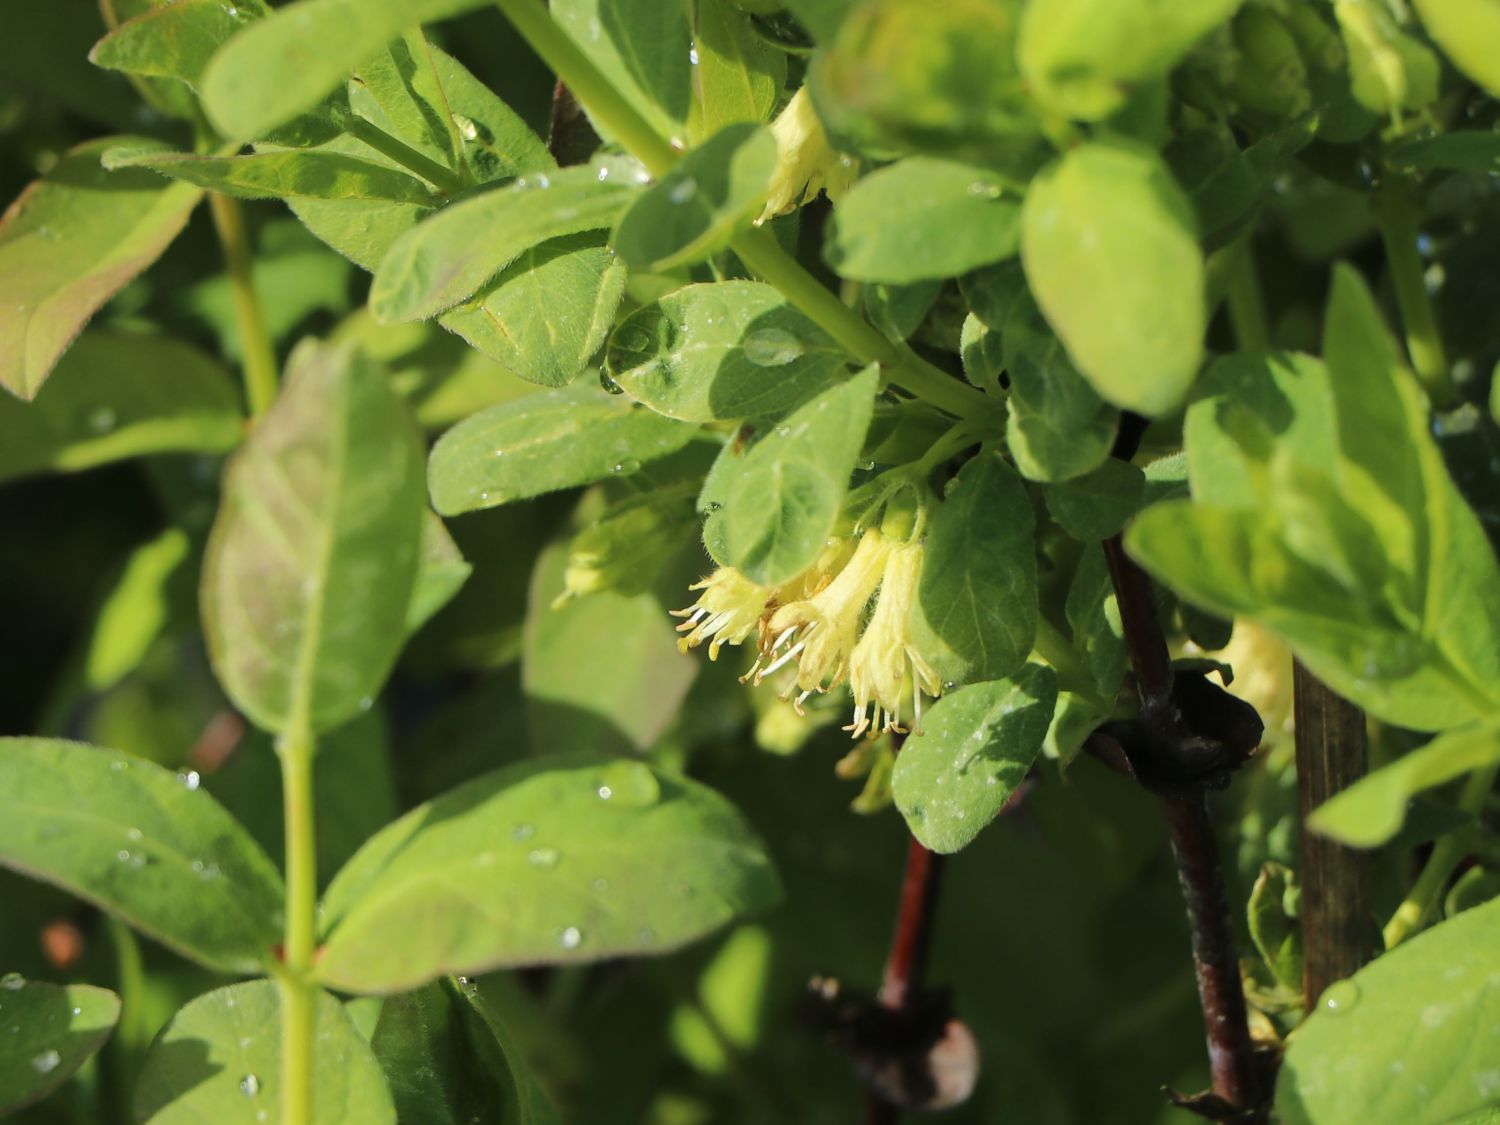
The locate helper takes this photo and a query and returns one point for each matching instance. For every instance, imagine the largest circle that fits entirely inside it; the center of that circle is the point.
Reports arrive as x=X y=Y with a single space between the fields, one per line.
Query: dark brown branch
x=1331 y=755
x=906 y=966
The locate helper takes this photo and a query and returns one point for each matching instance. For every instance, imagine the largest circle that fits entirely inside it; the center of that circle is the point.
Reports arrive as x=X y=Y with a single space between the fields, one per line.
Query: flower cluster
x=822 y=624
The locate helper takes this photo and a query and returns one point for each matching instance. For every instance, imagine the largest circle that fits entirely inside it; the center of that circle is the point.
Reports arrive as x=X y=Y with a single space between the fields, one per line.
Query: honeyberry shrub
x=819 y=326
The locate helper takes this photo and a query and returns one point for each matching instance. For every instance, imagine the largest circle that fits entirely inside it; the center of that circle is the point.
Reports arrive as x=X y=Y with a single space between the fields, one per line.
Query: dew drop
x=78 y=1011
x=102 y=419
x=984 y=190
x=603 y=174
x=250 y=1085
x=118 y=766
x=626 y=467
x=600 y=885
x=1340 y=996
x=189 y=779
x=629 y=784
x=645 y=937
x=466 y=127
x=545 y=858
x=693 y=55
x=523 y=832
x=609 y=384
x=12 y=982
x=46 y=1062
x=683 y=190
x=543 y=182
x=366 y=703
x=772 y=347
x=571 y=938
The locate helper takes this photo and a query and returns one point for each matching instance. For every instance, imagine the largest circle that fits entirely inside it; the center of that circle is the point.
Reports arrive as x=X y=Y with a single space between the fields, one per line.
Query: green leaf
x=286 y=174
x=557 y=861
x=1407 y=1038
x=67 y=245
x=542 y=443
x=697 y=207
x=976 y=611
x=441 y=571
x=219 y=1059
x=821 y=17
x=922 y=218
x=1372 y=810
x=1218 y=178
x=1388 y=70
x=1469 y=34
x=642 y=47
x=1111 y=252
x=143 y=844
x=403 y=80
x=1274 y=927
x=785 y=496
x=310 y=567
x=121 y=395
x=1097 y=504
x=446 y=1065
x=740 y=75
x=136 y=610
x=548 y=312
x=284 y=65
x=174 y=40
x=722 y=352
x=53 y=1030
x=1082 y=57
x=1462 y=151
x=971 y=751
x=441 y=261
x=1093 y=613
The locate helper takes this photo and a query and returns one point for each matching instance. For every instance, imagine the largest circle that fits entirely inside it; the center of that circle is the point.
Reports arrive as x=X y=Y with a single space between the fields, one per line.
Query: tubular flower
x=805 y=164
x=819 y=632
x=729 y=610
x=885 y=664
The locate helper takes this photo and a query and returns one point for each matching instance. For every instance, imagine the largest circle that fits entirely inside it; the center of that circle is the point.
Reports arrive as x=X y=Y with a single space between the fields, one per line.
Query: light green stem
x=757 y=249
x=259 y=357
x=299 y=993
x=403 y=154
x=1446 y=855
x=1247 y=311
x=1396 y=212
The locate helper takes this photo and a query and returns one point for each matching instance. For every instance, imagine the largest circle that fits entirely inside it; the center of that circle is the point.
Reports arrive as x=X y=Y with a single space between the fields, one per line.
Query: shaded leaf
x=740 y=75
x=642 y=47
x=289 y=174
x=174 y=40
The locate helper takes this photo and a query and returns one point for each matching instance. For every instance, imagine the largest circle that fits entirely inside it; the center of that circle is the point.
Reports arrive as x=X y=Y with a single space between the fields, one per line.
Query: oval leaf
x=142 y=843
x=785 y=495
x=722 y=351
x=701 y=202
x=922 y=218
x=542 y=443
x=48 y=1031
x=642 y=46
x=174 y=40
x=289 y=174
x=1469 y=33
x=219 y=1060
x=441 y=261
x=974 y=747
x=547 y=862
x=1111 y=253
x=311 y=564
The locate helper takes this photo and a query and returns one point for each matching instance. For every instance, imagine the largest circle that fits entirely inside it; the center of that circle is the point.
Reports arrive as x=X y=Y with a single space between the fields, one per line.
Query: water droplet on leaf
x=571 y=938
x=12 y=982
x=772 y=347
x=250 y=1085
x=46 y=1062
x=683 y=190
x=189 y=779
x=1340 y=996
x=629 y=784
x=545 y=858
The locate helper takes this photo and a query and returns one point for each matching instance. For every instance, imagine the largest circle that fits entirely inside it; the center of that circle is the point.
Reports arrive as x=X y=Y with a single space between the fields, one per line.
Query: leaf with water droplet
x=723 y=351
x=55 y=1030
x=699 y=205
x=219 y=1059
x=132 y=838
x=513 y=912
x=972 y=750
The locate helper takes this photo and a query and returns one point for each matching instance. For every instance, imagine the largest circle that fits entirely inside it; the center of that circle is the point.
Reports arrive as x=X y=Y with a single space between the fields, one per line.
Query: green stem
x=120 y=1061
x=756 y=248
x=255 y=338
x=1247 y=311
x=1447 y=854
x=1397 y=213
x=404 y=155
x=299 y=993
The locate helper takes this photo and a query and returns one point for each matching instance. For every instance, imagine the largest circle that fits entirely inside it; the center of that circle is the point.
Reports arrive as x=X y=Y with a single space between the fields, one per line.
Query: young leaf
x=141 y=843
x=310 y=568
x=1274 y=930
x=219 y=1059
x=1097 y=504
x=404 y=82
x=740 y=75
x=1469 y=35
x=1082 y=57
x=1464 y=150
x=722 y=351
x=284 y=65
x=973 y=748
x=542 y=443
x=446 y=258
x=286 y=174
x=642 y=46
x=976 y=611
x=1424 y=1012
x=67 y=245
x=1111 y=253
x=121 y=395
x=136 y=610
x=785 y=496
x=696 y=208
x=52 y=1031
x=1372 y=810
x=174 y=40
x=548 y=312
x=447 y=1066
x=922 y=218
x=555 y=861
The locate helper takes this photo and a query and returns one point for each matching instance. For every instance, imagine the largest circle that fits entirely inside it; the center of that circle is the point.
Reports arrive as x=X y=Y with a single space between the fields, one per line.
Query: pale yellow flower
x=729 y=610
x=886 y=669
x=805 y=164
